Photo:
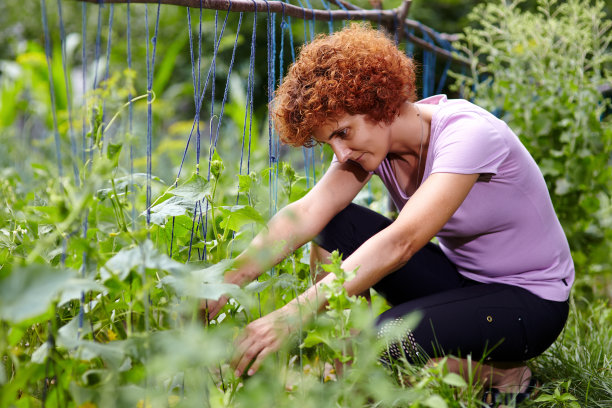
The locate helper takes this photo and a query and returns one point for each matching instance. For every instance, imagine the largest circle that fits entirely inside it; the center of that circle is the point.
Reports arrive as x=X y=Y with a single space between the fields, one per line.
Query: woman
x=495 y=287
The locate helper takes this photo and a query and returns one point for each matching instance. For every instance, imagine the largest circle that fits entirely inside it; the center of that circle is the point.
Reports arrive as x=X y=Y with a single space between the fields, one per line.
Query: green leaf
x=173 y=207
x=194 y=189
x=244 y=183
x=204 y=283
x=312 y=339
x=28 y=292
x=239 y=215
x=545 y=398
x=435 y=401
x=75 y=286
x=113 y=151
x=455 y=380
x=144 y=256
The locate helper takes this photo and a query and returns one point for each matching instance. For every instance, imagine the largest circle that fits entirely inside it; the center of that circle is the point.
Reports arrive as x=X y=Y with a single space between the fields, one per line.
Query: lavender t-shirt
x=506 y=230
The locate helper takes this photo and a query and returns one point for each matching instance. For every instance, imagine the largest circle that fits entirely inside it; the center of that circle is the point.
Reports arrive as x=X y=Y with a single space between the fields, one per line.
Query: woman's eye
x=343 y=133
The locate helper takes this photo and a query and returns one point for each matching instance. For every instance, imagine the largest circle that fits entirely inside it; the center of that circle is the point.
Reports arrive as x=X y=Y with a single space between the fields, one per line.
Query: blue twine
x=312 y=21
x=107 y=72
x=84 y=156
x=196 y=94
x=213 y=142
x=229 y=71
x=409 y=45
x=97 y=49
x=284 y=28
x=150 y=67
x=58 y=151
x=249 y=98
x=330 y=23
x=442 y=81
x=71 y=135
x=291 y=39
x=212 y=138
x=84 y=80
x=131 y=119
x=343 y=8
x=304 y=20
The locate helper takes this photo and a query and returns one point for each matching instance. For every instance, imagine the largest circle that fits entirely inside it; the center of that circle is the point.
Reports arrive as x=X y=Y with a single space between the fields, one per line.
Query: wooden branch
x=401 y=16
x=386 y=17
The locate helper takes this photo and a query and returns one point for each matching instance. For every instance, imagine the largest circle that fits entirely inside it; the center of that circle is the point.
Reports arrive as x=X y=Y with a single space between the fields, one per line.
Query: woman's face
x=355 y=138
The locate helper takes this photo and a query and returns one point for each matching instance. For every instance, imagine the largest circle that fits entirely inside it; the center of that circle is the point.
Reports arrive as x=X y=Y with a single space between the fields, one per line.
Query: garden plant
x=103 y=267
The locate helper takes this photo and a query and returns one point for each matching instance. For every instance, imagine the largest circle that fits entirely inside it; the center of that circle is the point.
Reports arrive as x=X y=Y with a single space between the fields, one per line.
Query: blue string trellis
x=206 y=75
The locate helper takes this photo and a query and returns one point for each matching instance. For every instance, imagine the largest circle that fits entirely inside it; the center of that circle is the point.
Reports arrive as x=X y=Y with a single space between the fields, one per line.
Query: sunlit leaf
x=239 y=215
x=455 y=380
x=194 y=189
x=435 y=401
x=144 y=255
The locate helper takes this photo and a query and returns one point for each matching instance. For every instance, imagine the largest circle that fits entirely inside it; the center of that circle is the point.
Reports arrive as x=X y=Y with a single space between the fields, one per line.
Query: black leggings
x=459 y=316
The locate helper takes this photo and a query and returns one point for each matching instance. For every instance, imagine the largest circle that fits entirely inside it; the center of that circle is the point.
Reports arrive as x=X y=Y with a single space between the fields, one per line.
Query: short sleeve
x=469 y=143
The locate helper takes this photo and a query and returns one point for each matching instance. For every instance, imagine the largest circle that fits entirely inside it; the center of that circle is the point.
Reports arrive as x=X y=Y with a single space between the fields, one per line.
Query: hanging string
x=131 y=118
x=311 y=22
x=252 y=88
x=304 y=20
x=330 y=23
x=339 y=4
x=73 y=147
x=213 y=66
x=272 y=160
x=196 y=92
x=429 y=68
x=107 y=72
x=200 y=99
x=409 y=45
x=84 y=80
x=442 y=81
x=84 y=155
x=97 y=49
x=58 y=151
x=229 y=71
x=284 y=27
x=150 y=68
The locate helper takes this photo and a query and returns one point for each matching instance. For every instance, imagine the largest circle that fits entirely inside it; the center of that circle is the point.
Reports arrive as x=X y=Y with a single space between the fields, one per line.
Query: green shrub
x=542 y=73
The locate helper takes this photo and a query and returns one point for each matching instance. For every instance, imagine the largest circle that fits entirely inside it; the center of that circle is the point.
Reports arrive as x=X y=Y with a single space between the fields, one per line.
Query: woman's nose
x=343 y=153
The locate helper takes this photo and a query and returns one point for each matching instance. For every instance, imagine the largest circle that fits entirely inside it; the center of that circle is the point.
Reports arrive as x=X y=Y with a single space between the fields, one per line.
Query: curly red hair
x=358 y=70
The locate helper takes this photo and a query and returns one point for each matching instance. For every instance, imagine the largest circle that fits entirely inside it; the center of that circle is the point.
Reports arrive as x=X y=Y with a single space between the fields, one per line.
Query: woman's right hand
x=209 y=309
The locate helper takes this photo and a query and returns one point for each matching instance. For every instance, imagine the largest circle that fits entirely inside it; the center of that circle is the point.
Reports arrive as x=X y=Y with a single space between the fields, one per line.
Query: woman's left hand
x=260 y=338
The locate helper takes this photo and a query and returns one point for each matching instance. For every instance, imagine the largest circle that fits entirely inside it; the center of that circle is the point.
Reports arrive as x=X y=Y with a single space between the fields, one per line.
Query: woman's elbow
x=405 y=249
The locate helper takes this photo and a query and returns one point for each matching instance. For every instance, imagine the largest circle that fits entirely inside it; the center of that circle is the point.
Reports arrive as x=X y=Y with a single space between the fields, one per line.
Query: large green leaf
x=183 y=201
x=195 y=189
x=28 y=292
x=204 y=283
x=172 y=207
x=237 y=216
x=75 y=286
x=143 y=256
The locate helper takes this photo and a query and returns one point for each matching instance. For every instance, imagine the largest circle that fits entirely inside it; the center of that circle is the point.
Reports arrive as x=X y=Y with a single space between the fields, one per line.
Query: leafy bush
x=542 y=72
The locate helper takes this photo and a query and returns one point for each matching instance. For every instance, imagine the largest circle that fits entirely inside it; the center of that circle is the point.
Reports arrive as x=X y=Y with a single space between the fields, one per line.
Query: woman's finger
x=260 y=358
x=247 y=356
